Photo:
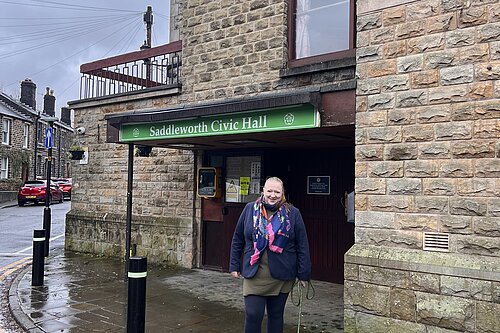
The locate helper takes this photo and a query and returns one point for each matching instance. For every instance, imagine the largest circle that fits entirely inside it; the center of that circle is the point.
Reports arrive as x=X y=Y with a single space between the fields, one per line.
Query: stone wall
x=427 y=160
x=163 y=227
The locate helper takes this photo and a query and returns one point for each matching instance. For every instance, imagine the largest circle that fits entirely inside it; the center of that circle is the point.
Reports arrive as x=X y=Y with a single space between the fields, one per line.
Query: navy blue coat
x=294 y=262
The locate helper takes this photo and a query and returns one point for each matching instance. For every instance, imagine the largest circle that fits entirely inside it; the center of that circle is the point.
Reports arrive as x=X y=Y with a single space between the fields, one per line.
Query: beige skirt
x=263 y=284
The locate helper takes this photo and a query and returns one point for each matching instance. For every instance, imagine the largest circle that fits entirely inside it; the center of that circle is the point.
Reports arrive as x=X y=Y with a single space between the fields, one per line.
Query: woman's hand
x=235 y=274
x=303 y=283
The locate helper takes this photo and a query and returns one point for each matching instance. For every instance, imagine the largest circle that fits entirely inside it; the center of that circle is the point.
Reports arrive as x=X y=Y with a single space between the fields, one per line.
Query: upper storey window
x=321 y=30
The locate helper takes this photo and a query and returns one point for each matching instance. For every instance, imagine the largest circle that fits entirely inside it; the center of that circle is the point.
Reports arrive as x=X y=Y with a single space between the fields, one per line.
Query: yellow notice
x=244 y=185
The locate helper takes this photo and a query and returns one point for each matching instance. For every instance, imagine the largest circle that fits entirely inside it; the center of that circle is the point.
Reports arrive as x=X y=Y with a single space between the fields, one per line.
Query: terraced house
x=389 y=107
x=22 y=149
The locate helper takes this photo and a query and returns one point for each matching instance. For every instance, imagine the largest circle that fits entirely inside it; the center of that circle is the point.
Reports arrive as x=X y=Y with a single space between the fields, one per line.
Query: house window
x=6 y=131
x=321 y=30
x=4 y=167
x=26 y=132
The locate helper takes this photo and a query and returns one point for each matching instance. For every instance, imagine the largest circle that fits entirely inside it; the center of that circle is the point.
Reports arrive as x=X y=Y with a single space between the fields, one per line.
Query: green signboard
x=280 y=119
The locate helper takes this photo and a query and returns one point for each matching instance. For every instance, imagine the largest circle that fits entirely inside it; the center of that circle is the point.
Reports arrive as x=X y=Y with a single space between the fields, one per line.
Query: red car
x=34 y=191
x=65 y=185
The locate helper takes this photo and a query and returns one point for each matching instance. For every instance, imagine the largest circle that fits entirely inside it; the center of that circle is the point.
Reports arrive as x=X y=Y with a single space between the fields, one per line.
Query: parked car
x=34 y=191
x=65 y=185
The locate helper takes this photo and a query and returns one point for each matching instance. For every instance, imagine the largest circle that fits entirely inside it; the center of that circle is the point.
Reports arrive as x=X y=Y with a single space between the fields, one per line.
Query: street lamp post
x=46 y=212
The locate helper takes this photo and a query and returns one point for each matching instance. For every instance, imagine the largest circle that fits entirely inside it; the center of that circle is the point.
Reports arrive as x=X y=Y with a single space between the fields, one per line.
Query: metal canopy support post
x=129 y=207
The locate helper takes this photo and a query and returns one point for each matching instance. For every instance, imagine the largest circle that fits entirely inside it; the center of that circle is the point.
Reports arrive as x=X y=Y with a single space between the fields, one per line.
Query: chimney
x=28 y=93
x=49 y=103
x=66 y=115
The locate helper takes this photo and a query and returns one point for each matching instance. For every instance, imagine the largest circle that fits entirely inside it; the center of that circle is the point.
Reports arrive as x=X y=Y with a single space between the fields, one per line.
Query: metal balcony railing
x=148 y=68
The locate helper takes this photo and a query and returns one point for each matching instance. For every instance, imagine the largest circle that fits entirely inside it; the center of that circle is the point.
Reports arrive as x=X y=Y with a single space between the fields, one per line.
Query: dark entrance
x=330 y=236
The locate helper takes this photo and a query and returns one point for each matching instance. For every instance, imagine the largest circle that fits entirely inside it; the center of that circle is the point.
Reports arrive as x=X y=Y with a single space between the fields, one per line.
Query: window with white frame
x=321 y=28
x=26 y=135
x=6 y=131
x=4 y=167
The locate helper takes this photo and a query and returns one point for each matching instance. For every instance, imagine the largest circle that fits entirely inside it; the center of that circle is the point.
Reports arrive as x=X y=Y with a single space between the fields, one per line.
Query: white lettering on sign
x=216 y=126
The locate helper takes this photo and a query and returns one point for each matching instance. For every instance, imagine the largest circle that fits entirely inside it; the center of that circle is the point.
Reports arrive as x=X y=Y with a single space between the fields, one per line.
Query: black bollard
x=136 y=305
x=37 y=267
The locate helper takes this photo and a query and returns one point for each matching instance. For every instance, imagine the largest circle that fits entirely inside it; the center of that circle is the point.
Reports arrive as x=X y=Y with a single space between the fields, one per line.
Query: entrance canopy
x=275 y=121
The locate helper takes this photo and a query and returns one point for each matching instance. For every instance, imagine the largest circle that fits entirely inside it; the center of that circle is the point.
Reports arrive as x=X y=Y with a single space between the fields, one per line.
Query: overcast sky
x=47 y=41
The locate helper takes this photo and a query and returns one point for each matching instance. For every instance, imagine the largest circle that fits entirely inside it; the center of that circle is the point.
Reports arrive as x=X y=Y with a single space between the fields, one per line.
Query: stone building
x=397 y=101
x=23 y=151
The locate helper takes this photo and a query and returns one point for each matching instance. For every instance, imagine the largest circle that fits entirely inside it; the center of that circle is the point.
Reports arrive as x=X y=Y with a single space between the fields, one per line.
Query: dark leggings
x=254 y=312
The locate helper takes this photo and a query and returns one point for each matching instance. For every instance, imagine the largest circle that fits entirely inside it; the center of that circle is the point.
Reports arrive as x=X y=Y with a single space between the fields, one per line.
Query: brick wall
x=427 y=159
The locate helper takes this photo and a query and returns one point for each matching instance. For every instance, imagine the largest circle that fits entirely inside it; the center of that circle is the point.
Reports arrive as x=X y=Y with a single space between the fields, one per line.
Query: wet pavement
x=84 y=293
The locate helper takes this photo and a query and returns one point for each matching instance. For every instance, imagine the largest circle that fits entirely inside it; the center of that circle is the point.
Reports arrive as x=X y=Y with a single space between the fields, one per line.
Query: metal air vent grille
x=435 y=241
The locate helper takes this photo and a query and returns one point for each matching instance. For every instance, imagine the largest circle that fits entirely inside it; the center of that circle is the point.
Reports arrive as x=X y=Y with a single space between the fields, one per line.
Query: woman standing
x=272 y=238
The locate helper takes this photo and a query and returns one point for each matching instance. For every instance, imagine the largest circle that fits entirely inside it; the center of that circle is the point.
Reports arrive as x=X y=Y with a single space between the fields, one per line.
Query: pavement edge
x=20 y=317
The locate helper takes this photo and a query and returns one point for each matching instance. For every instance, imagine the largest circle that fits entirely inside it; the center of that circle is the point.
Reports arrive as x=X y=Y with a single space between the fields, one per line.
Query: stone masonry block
x=394 y=15
x=377 y=220
x=390 y=203
x=466 y=288
x=474 y=149
x=494 y=207
x=395 y=83
x=456 y=75
x=398 y=152
x=382 y=35
x=384 y=277
x=448 y=94
x=478 y=187
x=496 y=292
x=495 y=50
x=476 y=245
x=440 y=59
x=370 y=186
x=395 y=49
x=425 y=282
x=489 y=33
x=369 y=53
x=474 y=54
x=438 y=186
x=403 y=116
x=367 y=298
x=386 y=169
x=366 y=323
x=424 y=169
x=410 y=29
x=431 y=205
x=488 y=320
x=456 y=224
x=434 y=114
x=368 y=86
x=381 y=68
x=381 y=101
x=424 y=79
x=389 y=134
x=445 y=311
x=369 y=153
x=487 y=129
x=454 y=130
x=369 y=22
x=372 y=118
x=390 y=238
x=418 y=133
x=417 y=10
x=403 y=304
x=460 y=38
x=351 y=272
x=486 y=226
x=452 y=5
x=404 y=186
x=411 y=63
x=473 y=16
x=487 y=71
x=411 y=98
x=482 y=90
x=421 y=222
x=426 y=43
x=456 y=168
x=468 y=206
x=446 y=22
